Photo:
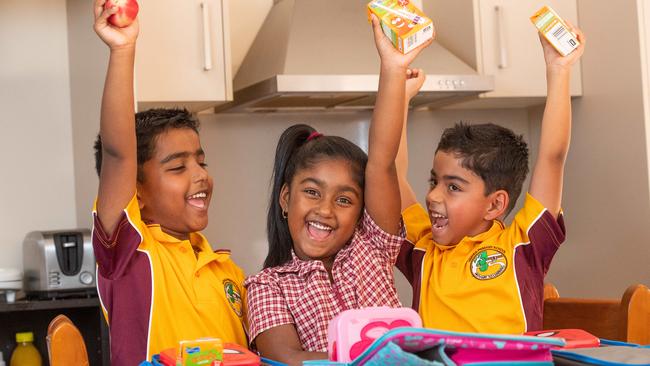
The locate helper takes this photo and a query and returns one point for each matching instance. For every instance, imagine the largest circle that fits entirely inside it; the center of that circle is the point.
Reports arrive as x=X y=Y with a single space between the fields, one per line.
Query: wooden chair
x=626 y=320
x=65 y=345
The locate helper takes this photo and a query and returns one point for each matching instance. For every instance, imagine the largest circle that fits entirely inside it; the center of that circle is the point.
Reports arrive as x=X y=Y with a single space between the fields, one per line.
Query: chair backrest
x=65 y=345
x=627 y=319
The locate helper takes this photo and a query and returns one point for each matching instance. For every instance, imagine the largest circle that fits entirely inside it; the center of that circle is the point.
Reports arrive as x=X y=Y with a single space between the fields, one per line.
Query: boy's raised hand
x=390 y=57
x=554 y=60
x=414 y=81
x=113 y=36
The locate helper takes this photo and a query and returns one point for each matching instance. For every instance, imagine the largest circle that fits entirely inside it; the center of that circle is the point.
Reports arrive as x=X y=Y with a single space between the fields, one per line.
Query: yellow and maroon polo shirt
x=155 y=291
x=489 y=283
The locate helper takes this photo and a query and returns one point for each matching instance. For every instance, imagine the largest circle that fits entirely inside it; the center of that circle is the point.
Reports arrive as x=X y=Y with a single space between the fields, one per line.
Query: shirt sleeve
x=417 y=222
x=114 y=252
x=266 y=307
x=418 y=228
x=387 y=244
x=539 y=232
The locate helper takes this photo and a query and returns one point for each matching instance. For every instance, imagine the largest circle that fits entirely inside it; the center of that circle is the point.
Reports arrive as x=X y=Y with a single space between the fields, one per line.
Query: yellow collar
x=496 y=227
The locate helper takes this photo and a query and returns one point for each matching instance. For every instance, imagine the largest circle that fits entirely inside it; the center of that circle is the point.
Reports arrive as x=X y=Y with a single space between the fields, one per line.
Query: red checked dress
x=300 y=292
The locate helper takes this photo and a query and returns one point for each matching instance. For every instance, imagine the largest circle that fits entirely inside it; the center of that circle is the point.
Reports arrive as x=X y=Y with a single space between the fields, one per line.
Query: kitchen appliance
x=320 y=55
x=59 y=263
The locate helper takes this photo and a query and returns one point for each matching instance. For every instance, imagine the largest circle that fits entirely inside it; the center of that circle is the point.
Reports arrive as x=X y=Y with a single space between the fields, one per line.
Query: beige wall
x=37 y=188
x=606 y=188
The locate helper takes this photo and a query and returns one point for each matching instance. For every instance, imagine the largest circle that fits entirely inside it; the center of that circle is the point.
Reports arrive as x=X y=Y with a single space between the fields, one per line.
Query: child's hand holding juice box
x=555 y=30
x=403 y=23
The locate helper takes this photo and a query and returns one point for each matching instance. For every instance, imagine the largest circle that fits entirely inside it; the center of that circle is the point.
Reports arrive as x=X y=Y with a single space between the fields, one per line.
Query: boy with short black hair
x=159 y=280
x=469 y=271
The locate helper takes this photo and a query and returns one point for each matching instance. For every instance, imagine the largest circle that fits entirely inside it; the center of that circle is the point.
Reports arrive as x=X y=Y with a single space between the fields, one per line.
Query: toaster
x=58 y=262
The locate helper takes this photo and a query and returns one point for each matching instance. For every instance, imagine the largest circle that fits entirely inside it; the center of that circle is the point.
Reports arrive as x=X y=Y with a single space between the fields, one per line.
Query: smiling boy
x=158 y=279
x=468 y=270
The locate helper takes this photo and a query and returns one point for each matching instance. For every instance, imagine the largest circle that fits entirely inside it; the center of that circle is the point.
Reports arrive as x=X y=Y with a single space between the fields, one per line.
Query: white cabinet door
x=510 y=49
x=183 y=54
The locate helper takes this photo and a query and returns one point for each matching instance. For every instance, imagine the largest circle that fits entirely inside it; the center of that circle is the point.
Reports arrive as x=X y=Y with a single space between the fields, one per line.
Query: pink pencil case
x=353 y=331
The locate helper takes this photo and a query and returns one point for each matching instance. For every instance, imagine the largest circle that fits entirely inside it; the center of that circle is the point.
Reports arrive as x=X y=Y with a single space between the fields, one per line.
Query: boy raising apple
x=158 y=279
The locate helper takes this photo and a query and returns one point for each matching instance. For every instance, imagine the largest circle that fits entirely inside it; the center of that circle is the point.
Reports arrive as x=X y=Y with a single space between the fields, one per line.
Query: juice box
x=555 y=30
x=403 y=23
x=205 y=351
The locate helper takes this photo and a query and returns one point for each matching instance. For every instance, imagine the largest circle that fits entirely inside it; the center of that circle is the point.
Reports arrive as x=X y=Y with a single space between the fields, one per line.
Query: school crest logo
x=488 y=263
x=233 y=295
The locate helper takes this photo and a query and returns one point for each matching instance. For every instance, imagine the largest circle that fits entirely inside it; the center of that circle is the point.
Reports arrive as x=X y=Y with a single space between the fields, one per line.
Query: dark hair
x=494 y=153
x=295 y=151
x=148 y=125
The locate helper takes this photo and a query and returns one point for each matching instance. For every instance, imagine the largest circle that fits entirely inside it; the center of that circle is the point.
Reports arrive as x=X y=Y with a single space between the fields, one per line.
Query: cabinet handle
x=501 y=36
x=207 y=49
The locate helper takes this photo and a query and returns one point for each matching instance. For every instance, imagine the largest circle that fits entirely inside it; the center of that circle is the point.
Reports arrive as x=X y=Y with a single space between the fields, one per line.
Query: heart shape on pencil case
x=373 y=331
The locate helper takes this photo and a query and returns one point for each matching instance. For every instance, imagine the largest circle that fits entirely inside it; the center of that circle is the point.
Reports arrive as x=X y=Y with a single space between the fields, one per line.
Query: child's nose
x=325 y=208
x=200 y=174
x=435 y=194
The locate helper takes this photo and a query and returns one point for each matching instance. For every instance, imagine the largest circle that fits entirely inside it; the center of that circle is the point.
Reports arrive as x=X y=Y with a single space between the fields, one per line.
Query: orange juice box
x=555 y=30
x=201 y=352
x=402 y=22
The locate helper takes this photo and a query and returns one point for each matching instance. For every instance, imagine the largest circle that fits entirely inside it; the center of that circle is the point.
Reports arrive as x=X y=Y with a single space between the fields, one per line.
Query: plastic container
x=352 y=331
x=25 y=353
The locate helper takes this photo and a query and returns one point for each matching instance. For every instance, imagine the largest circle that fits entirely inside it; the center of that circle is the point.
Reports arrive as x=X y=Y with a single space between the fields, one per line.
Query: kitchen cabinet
x=183 y=54
x=497 y=38
x=35 y=316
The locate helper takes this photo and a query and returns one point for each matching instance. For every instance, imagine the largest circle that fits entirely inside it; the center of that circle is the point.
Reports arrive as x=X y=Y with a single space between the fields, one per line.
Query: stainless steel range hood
x=320 y=55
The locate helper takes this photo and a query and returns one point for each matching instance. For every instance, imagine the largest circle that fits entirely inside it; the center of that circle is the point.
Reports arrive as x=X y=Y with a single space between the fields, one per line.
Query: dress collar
x=305 y=267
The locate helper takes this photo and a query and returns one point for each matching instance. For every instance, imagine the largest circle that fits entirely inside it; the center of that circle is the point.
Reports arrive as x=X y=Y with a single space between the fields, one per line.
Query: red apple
x=127 y=10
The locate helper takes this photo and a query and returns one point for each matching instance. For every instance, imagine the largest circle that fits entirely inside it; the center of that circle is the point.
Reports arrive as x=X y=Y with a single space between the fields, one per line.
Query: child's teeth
x=319 y=226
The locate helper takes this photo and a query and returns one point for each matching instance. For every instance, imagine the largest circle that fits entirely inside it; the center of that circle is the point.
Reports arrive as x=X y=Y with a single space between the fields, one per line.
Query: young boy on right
x=469 y=271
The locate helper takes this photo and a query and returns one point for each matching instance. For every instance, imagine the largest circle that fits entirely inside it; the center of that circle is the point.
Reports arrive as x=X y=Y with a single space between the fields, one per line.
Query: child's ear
x=138 y=190
x=284 y=197
x=498 y=204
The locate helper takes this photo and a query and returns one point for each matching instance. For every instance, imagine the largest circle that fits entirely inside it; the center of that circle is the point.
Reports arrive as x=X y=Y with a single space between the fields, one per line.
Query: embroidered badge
x=233 y=294
x=488 y=263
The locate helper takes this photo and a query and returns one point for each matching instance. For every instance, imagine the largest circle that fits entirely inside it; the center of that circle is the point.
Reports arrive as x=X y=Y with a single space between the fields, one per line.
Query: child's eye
x=432 y=182
x=178 y=168
x=344 y=201
x=454 y=188
x=311 y=192
x=203 y=165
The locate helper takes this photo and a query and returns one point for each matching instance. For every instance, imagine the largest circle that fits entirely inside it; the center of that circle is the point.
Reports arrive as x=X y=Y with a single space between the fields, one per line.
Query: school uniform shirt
x=489 y=283
x=155 y=291
x=300 y=292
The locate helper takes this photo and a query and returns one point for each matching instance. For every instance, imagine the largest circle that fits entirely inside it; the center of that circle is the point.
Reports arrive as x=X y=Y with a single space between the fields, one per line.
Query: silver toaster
x=56 y=262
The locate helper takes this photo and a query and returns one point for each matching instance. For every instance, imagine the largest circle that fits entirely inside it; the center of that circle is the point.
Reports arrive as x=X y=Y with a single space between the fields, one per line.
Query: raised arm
x=382 y=195
x=548 y=173
x=117 y=180
x=415 y=79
